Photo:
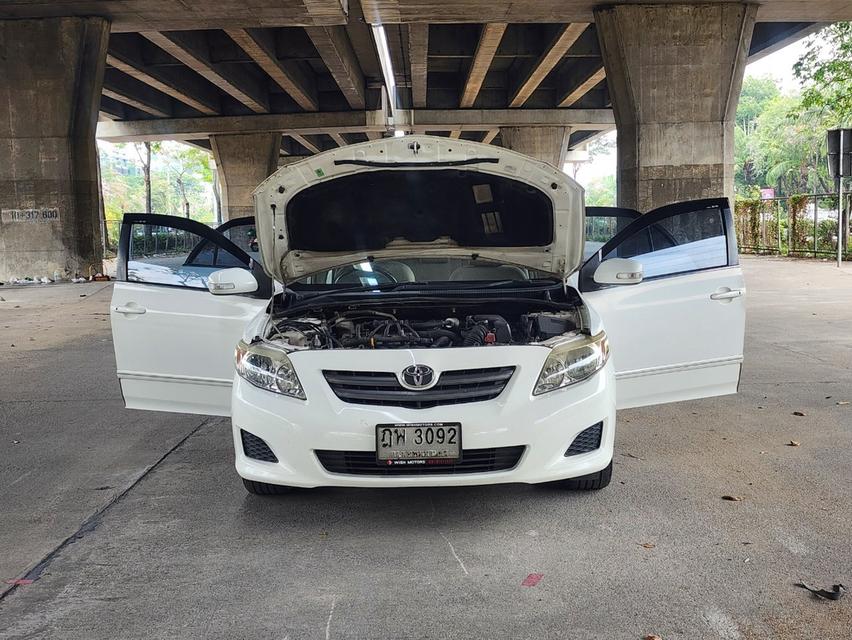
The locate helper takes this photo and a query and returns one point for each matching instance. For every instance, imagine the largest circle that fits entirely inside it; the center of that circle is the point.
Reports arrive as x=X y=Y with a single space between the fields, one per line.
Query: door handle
x=726 y=294
x=130 y=310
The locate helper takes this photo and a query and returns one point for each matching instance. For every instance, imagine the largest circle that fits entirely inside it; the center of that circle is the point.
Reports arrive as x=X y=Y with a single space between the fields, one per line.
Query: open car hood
x=418 y=196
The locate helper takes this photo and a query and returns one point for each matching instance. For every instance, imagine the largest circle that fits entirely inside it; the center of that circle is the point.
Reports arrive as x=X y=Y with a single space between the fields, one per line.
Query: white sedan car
x=418 y=311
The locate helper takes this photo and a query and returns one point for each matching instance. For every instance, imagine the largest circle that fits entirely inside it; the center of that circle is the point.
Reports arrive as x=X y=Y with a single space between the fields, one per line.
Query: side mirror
x=231 y=282
x=619 y=271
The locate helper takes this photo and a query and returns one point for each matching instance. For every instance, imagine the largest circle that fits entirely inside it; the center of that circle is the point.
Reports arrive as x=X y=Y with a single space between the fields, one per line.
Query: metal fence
x=801 y=225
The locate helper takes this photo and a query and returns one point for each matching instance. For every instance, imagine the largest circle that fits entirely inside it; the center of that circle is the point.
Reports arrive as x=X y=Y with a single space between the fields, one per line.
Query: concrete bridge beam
x=52 y=73
x=674 y=74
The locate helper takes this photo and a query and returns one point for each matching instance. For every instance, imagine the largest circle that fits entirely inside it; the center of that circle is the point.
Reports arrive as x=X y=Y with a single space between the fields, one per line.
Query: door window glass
x=245 y=237
x=601 y=227
x=679 y=243
x=159 y=254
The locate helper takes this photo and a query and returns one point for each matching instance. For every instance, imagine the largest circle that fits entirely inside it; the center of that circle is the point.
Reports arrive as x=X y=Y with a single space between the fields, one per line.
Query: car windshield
x=424 y=271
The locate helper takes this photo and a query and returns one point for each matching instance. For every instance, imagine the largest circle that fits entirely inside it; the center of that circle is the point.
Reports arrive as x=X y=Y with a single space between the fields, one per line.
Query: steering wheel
x=379 y=273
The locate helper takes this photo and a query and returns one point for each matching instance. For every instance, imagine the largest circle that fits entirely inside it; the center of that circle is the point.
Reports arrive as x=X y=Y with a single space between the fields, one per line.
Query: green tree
x=603 y=146
x=825 y=70
x=179 y=176
x=601 y=192
x=144 y=150
x=778 y=142
x=757 y=94
x=121 y=192
x=187 y=182
x=788 y=145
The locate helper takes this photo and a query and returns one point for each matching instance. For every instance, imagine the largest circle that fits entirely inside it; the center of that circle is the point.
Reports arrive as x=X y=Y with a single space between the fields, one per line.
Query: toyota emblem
x=418 y=376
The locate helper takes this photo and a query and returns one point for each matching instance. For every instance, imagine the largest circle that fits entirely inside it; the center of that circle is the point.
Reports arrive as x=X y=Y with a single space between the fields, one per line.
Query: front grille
x=453 y=387
x=364 y=463
x=256 y=448
x=587 y=440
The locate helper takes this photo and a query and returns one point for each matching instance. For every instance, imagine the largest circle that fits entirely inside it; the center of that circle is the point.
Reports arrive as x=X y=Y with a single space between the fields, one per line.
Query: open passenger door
x=678 y=334
x=174 y=340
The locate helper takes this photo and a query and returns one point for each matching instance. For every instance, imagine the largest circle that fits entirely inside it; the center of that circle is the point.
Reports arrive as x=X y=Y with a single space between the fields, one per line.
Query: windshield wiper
x=423 y=284
x=303 y=298
x=497 y=283
x=388 y=286
x=521 y=284
x=304 y=295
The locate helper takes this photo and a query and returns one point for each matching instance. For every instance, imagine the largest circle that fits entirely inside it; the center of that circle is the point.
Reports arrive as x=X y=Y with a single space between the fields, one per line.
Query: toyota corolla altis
x=424 y=311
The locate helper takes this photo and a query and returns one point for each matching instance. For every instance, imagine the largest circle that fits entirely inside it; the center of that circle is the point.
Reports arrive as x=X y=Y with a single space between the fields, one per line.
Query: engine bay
x=419 y=328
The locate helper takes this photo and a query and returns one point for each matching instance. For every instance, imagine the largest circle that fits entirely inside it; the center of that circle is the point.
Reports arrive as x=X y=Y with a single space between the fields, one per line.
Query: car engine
x=371 y=329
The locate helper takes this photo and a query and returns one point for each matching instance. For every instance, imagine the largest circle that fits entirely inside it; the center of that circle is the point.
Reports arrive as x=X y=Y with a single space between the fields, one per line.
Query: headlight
x=268 y=368
x=572 y=362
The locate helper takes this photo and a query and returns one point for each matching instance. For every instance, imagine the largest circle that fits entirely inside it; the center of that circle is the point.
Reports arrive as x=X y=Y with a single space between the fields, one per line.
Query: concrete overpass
x=256 y=79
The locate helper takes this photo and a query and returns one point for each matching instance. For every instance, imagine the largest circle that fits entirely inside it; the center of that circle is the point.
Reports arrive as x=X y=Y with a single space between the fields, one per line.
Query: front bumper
x=545 y=425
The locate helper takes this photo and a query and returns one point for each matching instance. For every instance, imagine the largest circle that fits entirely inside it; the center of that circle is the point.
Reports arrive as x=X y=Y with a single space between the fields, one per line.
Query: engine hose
x=438 y=333
x=427 y=325
x=502 y=329
x=475 y=336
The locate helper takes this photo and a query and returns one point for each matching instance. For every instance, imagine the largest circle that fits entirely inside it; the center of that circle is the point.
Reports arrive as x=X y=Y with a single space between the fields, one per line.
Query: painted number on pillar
x=48 y=214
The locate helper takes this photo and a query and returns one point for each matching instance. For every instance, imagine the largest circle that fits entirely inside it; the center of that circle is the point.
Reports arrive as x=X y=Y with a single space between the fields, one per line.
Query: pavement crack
x=91 y=523
x=446 y=539
x=805 y=354
x=328 y=622
x=453 y=551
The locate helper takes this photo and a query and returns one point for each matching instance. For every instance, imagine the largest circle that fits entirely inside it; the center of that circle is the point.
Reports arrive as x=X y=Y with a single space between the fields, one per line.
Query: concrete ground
x=134 y=525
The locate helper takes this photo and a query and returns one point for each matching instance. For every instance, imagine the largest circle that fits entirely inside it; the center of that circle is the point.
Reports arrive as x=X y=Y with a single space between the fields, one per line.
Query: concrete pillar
x=243 y=161
x=674 y=74
x=548 y=144
x=51 y=72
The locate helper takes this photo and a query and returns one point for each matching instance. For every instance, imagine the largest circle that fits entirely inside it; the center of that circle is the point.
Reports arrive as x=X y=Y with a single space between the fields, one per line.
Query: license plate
x=418 y=443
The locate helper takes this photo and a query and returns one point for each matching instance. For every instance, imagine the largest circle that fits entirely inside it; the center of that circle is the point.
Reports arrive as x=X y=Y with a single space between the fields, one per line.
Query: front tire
x=591 y=482
x=265 y=489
